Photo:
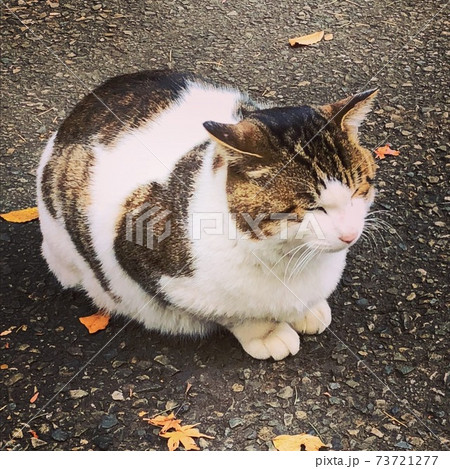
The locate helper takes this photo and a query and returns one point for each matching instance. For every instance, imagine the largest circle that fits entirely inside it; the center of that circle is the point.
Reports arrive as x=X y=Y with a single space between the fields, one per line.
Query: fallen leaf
x=165 y=421
x=328 y=37
x=185 y=435
x=3 y=366
x=95 y=322
x=7 y=331
x=381 y=152
x=172 y=429
x=21 y=216
x=302 y=442
x=33 y=434
x=307 y=40
x=34 y=398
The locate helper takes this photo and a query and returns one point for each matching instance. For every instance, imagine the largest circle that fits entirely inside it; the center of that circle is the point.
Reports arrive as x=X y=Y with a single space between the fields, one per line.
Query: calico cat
x=187 y=205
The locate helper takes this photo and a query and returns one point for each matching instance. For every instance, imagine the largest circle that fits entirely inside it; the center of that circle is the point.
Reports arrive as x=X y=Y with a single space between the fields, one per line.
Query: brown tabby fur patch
x=300 y=151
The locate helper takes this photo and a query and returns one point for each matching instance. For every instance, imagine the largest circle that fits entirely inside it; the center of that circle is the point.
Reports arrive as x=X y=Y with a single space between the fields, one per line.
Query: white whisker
x=303 y=262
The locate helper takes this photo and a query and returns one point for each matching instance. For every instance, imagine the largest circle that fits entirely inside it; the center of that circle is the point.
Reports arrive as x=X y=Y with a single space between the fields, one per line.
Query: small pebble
x=301 y=415
x=286 y=393
x=77 y=393
x=117 y=396
x=108 y=421
x=59 y=435
x=102 y=441
x=235 y=422
x=405 y=369
x=403 y=445
x=36 y=442
x=376 y=432
x=411 y=296
x=353 y=384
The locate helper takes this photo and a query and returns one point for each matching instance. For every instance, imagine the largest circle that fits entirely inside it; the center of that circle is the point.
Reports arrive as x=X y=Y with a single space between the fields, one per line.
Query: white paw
x=314 y=320
x=267 y=340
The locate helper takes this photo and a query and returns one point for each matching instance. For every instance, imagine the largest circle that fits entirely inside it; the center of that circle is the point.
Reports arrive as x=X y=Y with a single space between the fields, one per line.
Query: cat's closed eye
x=317 y=208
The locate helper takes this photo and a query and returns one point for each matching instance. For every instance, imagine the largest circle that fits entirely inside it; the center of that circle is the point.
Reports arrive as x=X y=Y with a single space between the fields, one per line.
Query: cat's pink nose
x=349 y=237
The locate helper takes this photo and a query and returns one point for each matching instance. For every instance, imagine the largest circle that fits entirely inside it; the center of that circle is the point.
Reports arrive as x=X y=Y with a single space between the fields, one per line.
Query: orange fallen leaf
x=185 y=435
x=381 y=152
x=95 y=322
x=21 y=216
x=4 y=366
x=34 y=398
x=172 y=429
x=302 y=442
x=165 y=421
x=307 y=40
x=33 y=433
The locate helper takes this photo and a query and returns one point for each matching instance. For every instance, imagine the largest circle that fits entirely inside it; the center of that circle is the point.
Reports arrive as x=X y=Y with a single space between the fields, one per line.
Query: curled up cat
x=186 y=205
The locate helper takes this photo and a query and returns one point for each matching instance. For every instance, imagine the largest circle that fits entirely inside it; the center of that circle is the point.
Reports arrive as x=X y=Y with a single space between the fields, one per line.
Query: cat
x=187 y=206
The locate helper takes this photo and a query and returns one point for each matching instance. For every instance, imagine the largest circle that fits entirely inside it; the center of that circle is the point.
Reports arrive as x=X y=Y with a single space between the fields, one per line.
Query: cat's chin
x=330 y=249
x=335 y=249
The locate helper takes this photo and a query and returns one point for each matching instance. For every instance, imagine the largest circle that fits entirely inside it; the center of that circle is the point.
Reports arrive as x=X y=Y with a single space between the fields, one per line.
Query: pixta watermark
x=150 y=225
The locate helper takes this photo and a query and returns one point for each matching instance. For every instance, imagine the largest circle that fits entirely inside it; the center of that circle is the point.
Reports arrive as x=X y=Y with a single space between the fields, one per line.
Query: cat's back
x=121 y=104
x=147 y=119
x=133 y=102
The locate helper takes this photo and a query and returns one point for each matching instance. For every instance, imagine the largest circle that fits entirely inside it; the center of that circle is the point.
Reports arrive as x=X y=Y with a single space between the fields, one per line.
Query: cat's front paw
x=314 y=320
x=263 y=340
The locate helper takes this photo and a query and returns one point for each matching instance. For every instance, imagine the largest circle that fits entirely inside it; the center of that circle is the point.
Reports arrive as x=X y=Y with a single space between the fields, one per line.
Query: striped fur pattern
x=186 y=205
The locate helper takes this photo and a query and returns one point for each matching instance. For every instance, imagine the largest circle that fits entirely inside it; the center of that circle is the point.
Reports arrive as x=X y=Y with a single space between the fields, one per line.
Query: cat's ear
x=245 y=137
x=349 y=113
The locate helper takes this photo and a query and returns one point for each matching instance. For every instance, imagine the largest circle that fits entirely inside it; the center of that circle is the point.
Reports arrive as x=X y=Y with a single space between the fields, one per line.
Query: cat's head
x=299 y=172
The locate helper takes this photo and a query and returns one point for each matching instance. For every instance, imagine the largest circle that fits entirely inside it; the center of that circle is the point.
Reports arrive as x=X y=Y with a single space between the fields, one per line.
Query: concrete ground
x=377 y=379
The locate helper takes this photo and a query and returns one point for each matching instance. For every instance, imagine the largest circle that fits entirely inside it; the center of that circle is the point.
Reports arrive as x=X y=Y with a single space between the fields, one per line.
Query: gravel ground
x=377 y=380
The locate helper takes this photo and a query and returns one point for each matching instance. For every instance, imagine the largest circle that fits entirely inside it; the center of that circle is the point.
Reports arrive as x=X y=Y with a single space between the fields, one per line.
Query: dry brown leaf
x=302 y=442
x=307 y=40
x=381 y=152
x=21 y=216
x=95 y=322
x=185 y=435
